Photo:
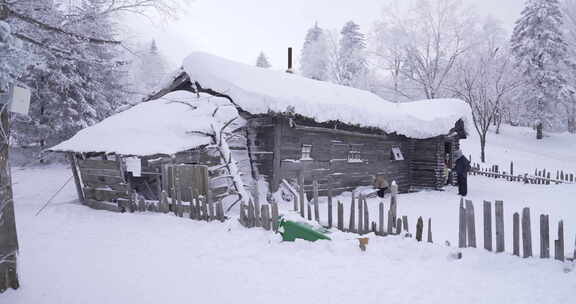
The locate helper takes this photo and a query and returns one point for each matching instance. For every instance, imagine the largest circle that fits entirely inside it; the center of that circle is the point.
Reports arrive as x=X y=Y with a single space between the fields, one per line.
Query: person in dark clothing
x=462 y=167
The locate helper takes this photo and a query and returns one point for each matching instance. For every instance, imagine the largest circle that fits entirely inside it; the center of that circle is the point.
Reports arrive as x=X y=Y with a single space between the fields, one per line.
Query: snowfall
x=72 y=254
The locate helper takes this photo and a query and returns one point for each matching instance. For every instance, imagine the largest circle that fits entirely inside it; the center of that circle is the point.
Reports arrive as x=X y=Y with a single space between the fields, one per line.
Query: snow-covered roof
x=260 y=91
x=164 y=126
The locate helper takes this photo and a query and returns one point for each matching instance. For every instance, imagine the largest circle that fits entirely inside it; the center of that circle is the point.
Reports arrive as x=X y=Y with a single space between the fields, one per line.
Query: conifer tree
x=539 y=50
x=262 y=61
x=352 y=59
x=314 y=62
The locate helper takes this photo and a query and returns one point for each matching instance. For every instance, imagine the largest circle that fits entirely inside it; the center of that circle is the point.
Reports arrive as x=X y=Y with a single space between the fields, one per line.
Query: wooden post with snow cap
x=544 y=237
x=470 y=224
x=462 y=240
x=499 y=214
x=487 y=226
x=526 y=233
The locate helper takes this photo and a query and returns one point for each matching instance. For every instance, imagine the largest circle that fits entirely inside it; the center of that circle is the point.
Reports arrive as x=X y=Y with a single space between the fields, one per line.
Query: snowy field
x=73 y=254
x=557 y=151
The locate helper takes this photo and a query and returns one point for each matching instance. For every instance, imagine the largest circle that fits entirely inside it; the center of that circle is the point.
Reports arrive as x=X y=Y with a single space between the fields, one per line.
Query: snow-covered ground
x=73 y=254
x=557 y=151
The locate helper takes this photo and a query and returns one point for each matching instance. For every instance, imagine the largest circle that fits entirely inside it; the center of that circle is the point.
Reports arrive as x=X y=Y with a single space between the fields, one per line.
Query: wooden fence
x=521 y=231
x=387 y=222
x=254 y=215
x=543 y=176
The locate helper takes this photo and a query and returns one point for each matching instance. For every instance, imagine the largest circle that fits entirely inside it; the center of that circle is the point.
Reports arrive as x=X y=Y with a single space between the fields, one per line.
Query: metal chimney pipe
x=290 y=70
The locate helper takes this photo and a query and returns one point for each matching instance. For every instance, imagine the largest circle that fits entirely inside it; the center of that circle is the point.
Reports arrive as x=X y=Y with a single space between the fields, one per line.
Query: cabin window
x=354 y=156
x=397 y=154
x=306 y=152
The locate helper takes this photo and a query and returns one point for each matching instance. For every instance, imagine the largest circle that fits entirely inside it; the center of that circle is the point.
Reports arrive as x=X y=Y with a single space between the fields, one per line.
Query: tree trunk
x=498 y=124
x=8 y=237
x=539 y=131
x=572 y=125
x=483 y=148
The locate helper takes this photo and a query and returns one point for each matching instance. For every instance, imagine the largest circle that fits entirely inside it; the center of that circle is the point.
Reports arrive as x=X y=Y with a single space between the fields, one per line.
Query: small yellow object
x=363 y=242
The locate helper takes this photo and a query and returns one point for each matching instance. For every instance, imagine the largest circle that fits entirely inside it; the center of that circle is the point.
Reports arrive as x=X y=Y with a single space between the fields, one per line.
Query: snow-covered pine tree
x=314 y=60
x=74 y=91
x=352 y=57
x=262 y=61
x=149 y=69
x=539 y=49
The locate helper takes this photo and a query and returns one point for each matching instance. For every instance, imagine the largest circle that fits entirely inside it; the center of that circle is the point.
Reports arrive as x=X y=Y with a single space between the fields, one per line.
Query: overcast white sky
x=240 y=29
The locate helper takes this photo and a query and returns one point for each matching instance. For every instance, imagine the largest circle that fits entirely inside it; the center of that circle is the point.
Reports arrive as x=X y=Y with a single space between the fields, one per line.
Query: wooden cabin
x=286 y=126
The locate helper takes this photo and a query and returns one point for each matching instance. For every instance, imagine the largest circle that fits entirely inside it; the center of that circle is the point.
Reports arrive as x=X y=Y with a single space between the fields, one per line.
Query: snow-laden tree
x=351 y=66
x=314 y=61
x=569 y=103
x=423 y=44
x=262 y=61
x=150 y=68
x=55 y=47
x=484 y=78
x=539 y=50
x=71 y=93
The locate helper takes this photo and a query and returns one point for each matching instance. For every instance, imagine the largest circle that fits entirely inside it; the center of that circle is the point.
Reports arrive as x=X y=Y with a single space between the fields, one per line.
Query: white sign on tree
x=20 y=100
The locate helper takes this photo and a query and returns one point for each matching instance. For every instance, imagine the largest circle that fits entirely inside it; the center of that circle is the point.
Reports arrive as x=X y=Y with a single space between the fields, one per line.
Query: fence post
x=352 y=224
x=381 y=219
x=251 y=214
x=360 y=214
x=316 y=210
x=499 y=206
x=340 y=216
x=302 y=194
x=257 y=214
x=340 y=223
x=526 y=233
x=391 y=222
x=429 y=230
x=265 y=217
x=366 y=217
x=544 y=237
x=511 y=168
x=405 y=223
x=487 y=226
x=471 y=224
x=309 y=212
x=275 y=216
x=419 y=228
x=394 y=201
x=461 y=226
x=516 y=234
x=329 y=204
x=398 y=226
x=559 y=243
